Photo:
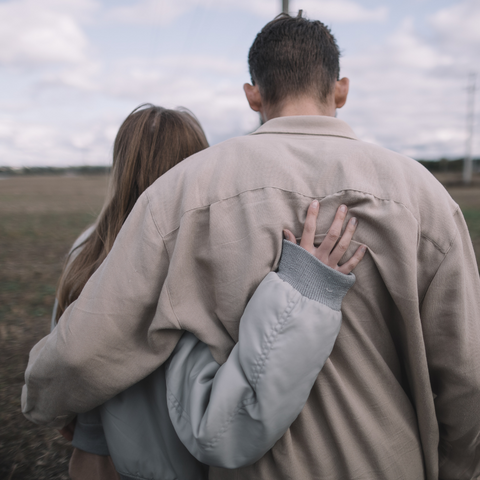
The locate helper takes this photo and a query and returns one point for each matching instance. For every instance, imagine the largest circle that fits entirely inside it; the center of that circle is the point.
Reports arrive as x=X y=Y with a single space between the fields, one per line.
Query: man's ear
x=253 y=97
x=341 y=92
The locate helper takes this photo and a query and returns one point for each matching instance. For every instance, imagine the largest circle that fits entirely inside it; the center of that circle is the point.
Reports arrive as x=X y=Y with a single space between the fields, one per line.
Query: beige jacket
x=399 y=397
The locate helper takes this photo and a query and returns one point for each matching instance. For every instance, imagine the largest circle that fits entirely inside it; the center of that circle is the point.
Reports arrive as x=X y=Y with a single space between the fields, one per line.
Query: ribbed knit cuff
x=312 y=278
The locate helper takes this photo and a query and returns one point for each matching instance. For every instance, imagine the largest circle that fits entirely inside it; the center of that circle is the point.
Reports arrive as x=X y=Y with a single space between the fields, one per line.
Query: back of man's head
x=293 y=57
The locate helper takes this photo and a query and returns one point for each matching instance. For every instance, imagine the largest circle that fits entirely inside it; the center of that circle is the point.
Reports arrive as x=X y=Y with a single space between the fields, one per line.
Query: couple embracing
x=188 y=337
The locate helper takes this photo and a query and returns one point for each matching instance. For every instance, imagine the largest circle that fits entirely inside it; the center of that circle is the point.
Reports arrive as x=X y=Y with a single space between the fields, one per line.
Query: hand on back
x=334 y=245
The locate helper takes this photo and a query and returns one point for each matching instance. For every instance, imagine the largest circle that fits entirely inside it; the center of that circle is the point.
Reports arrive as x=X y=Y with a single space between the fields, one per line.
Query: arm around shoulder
x=230 y=416
x=117 y=312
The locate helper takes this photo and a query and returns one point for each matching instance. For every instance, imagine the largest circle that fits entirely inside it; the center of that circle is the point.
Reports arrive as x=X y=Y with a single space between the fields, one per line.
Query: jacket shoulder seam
x=435 y=244
x=168 y=258
x=208 y=205
x=151 y=215
x=445 y=254
x=421 y=234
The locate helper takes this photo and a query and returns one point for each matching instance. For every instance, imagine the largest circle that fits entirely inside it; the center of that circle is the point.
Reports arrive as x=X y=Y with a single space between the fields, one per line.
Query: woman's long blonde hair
x=150 y=141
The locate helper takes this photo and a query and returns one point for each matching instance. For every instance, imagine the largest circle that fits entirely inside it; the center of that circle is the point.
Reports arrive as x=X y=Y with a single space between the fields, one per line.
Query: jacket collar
x=307 y=125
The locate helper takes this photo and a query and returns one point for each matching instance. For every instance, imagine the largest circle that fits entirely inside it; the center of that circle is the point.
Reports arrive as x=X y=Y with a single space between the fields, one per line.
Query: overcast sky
x=72 y=70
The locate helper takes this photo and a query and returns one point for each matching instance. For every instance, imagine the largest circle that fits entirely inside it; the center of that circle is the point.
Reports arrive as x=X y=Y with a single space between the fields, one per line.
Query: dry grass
x=40 y=217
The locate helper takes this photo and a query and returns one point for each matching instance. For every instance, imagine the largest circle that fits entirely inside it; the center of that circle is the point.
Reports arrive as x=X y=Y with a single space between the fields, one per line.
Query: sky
x=72 y=70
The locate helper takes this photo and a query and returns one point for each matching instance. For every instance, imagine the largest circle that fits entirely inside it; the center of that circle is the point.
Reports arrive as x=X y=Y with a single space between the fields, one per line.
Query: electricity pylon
x=467 y=162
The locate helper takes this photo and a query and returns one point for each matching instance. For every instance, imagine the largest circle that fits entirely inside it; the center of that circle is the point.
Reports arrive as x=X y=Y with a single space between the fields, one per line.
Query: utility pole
x=467 y=162
x=285 y=6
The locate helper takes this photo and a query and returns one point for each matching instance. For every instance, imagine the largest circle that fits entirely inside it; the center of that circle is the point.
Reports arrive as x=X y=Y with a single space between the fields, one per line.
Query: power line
x=467 y=162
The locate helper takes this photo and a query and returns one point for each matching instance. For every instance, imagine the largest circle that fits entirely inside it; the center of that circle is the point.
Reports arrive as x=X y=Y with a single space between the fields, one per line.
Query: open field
x=40 y=217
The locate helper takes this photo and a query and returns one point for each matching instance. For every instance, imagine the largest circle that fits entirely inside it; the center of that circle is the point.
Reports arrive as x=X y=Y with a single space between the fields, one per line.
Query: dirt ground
x=40 y=217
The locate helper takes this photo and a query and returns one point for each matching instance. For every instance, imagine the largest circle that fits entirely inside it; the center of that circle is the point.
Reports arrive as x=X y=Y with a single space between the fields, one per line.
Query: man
x=399 y=397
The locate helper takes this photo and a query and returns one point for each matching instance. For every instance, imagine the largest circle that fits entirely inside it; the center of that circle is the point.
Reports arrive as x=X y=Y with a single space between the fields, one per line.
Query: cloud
x=47 y=32
x=150 y=12
x=408 y=94
x=456 y=30
x=407 y=91
x=179 y=76
x=340 y=11
x=83 y=76
x=153 y=12
x=39 y=144
x=405 y=48
x=458 y=24
x=163 y=13
x=209 y=86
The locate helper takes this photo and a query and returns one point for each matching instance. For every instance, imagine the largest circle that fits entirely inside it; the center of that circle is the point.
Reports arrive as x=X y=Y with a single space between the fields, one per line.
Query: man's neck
x=298 y=106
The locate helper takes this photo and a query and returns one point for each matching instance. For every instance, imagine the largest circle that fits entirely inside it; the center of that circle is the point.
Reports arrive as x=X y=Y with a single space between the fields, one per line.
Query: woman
x=192 y=395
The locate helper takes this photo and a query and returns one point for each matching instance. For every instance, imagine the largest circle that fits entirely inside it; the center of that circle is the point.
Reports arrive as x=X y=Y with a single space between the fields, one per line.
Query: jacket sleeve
x=451 y=322
x=231 y=415
x=68 y=371
x=88 y=434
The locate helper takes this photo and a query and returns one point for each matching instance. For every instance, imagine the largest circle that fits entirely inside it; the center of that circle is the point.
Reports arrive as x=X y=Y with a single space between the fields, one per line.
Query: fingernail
x=363 y=248
x=354 y=221
x=285 y=235
x=343 y=208
x=315 y=204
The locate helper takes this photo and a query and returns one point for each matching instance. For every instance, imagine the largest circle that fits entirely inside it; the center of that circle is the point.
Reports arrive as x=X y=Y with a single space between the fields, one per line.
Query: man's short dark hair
x=292 y=56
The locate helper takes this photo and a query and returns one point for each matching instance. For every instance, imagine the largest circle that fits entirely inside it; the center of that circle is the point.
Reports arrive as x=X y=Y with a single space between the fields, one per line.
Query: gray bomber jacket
x=191 y=411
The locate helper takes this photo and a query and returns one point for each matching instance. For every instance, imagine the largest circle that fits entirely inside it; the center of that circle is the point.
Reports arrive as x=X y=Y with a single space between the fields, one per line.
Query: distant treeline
x=83 y=170
x=442 y=165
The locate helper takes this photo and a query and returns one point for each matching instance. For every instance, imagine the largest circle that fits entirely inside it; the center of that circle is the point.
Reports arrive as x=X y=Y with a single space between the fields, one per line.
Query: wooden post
x=285 y=6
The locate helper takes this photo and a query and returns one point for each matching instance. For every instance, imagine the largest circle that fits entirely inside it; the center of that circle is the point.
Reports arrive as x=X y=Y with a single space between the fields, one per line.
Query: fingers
x=330 y=252
x=289 y=236
x=348 y=266
x=333 y=232
x=344 y=241
x=308 y=235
